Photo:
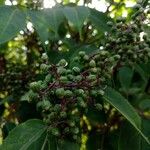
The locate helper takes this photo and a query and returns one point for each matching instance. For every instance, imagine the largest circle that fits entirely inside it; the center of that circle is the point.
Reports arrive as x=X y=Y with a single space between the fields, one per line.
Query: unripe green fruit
x=92 y=63
x=81 y=53
x=109 y=23
x=86 y=57
x=63 y=114
x=79 y=92
x=44 y=56
x=98 y=106
x=68 y=93
x=91 y=77
x=76 y=69
x=78 y=78
x=44 y=67
x=129 y=52
x=93 y=93
x=94 y=70
x=57 y=107
x=63 y=79
x=82 y=104
x=117 y=57
x=48 y=78
x=60 y=92
x=101 y=92
x=70 y=76
x=46 y=104
x=62 y=62
x=76 y=59
x=68 y=71
x=32 y=95
x=104 y=53
x=111 y=59
x=71 y=123
x=35 y=86
x=61 y=71
x=75 y=130
x=55 y=132
x=52 y=115
x=75 y=137
x=39 y=105
x=66 y=130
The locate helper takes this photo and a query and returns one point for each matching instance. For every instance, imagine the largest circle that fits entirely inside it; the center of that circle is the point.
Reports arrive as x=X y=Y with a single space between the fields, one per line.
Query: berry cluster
x=126 y=38
x=66 y=92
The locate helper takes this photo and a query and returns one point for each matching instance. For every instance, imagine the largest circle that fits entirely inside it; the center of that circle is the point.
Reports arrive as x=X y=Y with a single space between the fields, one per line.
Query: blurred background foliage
x=47 y=30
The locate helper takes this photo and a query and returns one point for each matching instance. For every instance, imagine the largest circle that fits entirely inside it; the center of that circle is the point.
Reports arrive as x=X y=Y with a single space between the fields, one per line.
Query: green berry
x=63 y=114
x=44 y=56
x=81 y=53
x=35 y=86
x=68 y=93
x=62 y=62
x=76 y=69
x=71 y=123
x=101 y=92
x=78 y=78
x=57 y=107
x=55 y=131
x=44 y=67
x=61 y=70
x=86 y=57
x=48 y=78
x=75 y=130
x=66 y=130
x=98 y=106
x=60 y=92
x=32 y=95
x=63 y=79
x=46 y=104
x=92 y=63
x=91 y=77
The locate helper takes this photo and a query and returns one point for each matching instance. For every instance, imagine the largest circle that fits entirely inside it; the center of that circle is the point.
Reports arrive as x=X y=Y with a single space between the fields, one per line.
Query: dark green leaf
x=141 y=72
x=146 y=131
x=95 y=141
x=99 y=19
x=129 y=138
x=76 y=15
x=125 y=77
x=145 y=104
x=12 y=20
x=67 y=145
x=46 y=22
x=25 y=136
x=125 y=108
x=7 y=128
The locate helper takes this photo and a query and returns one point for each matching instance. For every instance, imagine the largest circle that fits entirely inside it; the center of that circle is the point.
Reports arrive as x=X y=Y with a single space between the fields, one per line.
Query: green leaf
x=146 y=131
x=76 y=15
x=141 y=72
x=94 y=141
x=26 y=136
x=99 y=19
x=47 y=22
x=67 y=145
x=125 y=77
x=129 y=137
x=145 y=104
x=125 y=108
x=12 y=20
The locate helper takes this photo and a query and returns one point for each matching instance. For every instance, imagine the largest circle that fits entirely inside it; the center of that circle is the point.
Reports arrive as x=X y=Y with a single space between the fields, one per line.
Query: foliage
x=74 y=78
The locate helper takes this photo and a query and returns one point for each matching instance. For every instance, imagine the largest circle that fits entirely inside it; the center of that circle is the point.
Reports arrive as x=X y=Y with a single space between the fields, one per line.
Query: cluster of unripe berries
x=128 y=39
x=65 y=93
